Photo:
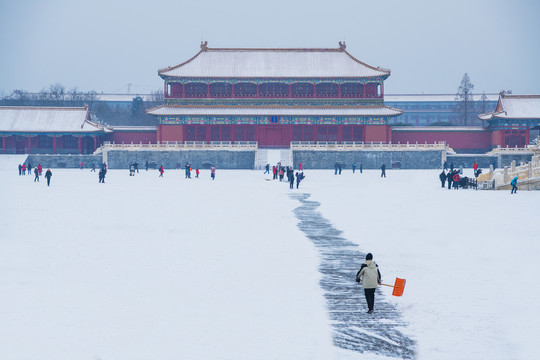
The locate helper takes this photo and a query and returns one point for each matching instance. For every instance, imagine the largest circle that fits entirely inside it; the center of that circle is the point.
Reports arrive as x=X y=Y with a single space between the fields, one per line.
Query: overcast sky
x=428 y=44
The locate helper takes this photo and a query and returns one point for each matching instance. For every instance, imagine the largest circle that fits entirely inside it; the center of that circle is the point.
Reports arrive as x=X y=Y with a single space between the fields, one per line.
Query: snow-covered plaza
x=144 y=267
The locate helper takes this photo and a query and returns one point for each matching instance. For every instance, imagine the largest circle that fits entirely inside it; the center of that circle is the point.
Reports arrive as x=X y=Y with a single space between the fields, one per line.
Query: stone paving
x=353 y=328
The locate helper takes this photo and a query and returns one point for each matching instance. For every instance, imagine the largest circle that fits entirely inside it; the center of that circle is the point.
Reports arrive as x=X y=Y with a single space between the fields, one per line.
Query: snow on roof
x=47 y=119
x=271 y=63
x=438 y=128
x=166 y=110
x=434 y=97
x=515 y=107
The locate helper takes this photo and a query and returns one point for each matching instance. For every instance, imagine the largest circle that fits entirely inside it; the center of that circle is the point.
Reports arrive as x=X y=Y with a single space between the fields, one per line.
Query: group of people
x=279 y=171
x=23 y=168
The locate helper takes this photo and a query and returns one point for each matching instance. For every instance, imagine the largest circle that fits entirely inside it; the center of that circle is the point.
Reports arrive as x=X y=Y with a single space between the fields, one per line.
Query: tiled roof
x=47 y=119
x=273 y=63
x=171 y=110
x=439 y=128
x=515 y=107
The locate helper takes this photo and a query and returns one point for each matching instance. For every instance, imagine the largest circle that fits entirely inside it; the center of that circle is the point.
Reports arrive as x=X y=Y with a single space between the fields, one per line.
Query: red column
x=339 y=90
x=382 y=90
x=290 y=91
x=79 y=144
x=3 y=143
x=364 y=91
x=183 y=90
x=54 y=144
x=257 y=89
x=29 y=145
x=232 y=91
x=95 y=142
x=208 y=90
x=314 y=90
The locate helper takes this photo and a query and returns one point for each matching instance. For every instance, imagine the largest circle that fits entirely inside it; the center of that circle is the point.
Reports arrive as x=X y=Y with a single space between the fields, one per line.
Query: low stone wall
x=175 y=159
x=64 y=161
x=484 y=160
x=370 y=159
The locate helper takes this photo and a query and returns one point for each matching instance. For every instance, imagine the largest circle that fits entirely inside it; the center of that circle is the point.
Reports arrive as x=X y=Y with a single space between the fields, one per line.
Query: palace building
x=49 y=130
x=273 y=97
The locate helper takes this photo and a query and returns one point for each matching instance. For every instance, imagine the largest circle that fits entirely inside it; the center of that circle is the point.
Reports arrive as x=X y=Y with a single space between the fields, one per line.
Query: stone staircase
x=272 y=157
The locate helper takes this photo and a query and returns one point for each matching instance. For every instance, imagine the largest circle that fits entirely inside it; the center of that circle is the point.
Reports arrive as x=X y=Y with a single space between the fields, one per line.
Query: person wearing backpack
x=514 y=185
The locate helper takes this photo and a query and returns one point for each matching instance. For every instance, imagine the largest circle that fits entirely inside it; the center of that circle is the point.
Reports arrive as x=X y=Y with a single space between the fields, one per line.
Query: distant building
x=512 y=120
x=49 y=130
x=273 y=96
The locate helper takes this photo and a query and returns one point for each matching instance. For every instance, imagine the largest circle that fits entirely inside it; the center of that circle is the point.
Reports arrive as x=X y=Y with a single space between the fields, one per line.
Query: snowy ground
x=167 y=268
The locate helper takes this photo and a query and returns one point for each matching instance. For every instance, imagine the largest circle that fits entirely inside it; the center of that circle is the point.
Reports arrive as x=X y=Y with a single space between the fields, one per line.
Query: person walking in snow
x=48 y=175
x=146 y=165
x=335 y=168
x=290 y=175
x=213 y=172
x=40 y=169
x=514 y=185
x=353 y=168
x=101 y=175
x=370 y=276
x=161 y=171
x=274 y=172
x=449 y=179
x=29 y=168
x=339 y=168
x=442 y=177
x=383 y=170
x=82 y=165
x=300 y=166
x=20 y=169
x=196 y=172
x=36 y=172
x=93 y=168
x=24 y=169
x=455 y=179
x=267 y=167
x=299 y=178
x=360 y=168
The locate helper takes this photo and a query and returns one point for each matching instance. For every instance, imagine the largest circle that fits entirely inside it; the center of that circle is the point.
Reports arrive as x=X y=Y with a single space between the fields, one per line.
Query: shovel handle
x=387 y=285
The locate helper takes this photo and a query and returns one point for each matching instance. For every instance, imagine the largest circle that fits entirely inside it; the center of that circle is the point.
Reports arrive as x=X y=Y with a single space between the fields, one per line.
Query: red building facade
x=49 y=130
x=273 y=96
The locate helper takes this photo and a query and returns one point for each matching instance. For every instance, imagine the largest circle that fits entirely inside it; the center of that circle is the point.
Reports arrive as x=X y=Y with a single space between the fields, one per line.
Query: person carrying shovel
x=370 y=276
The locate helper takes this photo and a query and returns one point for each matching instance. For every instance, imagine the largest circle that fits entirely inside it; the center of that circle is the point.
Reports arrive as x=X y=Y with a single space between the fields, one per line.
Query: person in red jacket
x=197 y=172
x=455 y=179
x=274 y=171
x=161 y=171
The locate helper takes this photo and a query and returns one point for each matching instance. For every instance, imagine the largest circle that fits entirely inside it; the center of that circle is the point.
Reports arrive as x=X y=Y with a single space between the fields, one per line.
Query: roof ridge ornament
x=342 y=46
x=204 y=45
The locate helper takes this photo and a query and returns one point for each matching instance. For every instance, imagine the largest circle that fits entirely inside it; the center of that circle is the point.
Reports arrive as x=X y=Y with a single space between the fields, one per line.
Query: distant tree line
x=100 y=111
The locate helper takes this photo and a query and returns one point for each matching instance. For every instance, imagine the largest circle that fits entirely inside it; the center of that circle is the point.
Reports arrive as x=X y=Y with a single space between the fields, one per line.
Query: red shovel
x=399 y=287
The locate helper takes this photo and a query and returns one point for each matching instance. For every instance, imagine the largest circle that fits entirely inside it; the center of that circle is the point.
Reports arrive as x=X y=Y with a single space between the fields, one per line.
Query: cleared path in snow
x=353 y=328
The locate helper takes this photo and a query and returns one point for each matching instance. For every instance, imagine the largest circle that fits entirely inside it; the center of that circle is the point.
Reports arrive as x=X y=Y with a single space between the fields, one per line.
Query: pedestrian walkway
x=353 y=328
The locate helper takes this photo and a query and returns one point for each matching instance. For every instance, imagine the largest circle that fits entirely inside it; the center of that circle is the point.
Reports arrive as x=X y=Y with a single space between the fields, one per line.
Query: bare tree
x=464 y=106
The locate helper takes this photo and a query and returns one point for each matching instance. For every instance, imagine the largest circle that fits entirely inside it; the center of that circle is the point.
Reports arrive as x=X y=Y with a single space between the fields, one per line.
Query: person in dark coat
x=29 y=167
x=339 y=168
x=291 y=179
x=353 y=168
x=36 y=172
x=335 y=168
x=267 y=167
x=136 y=164
x=383 y=170
x=442 y=176
x=445 y=165
x=101 y=175
x=146 y=165
x=449 y=179
x=299 y=178
x=48 y=175
x=360 y=168
x=20 y=169
x=370 y=276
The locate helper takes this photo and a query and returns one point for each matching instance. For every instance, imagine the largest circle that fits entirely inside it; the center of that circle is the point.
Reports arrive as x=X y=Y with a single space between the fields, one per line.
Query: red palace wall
x=274 y=135
x=377 y=133
x=137 y=137
x=170 y=133
x=477 y=140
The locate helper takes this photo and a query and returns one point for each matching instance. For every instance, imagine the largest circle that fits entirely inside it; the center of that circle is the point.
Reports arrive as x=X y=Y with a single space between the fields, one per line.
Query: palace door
x=273 y=137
